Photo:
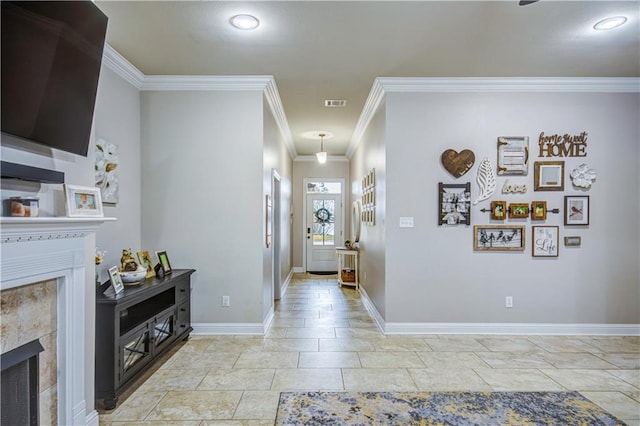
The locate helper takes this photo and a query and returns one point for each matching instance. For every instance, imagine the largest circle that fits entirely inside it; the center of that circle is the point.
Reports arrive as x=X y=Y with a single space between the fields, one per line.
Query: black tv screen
x=51 y=57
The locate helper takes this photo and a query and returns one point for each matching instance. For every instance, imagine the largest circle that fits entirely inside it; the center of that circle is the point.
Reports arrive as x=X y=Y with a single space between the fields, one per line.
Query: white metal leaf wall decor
x=486 y=180
x=582 y=176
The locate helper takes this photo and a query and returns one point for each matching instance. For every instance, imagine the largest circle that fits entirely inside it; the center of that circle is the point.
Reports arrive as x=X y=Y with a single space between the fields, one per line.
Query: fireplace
x=19 y=390
x=58 y=251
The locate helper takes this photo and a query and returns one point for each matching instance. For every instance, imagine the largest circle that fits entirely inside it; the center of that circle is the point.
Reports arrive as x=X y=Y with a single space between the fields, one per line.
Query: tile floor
x=322 y=338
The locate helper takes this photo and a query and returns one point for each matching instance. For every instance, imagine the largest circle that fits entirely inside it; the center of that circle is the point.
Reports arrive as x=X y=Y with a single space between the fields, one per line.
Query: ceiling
x=319 y=50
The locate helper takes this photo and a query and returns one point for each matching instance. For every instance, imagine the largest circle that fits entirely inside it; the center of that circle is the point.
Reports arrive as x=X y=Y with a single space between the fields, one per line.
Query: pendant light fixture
x=322 y=155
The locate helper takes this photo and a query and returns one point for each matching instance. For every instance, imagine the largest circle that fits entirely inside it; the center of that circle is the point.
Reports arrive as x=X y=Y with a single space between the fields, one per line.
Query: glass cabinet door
x=164 y=329
x=134 y=352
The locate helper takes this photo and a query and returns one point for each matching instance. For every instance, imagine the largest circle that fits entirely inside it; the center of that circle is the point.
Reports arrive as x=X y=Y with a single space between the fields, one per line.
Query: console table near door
x=348 y=267
x=134 y=328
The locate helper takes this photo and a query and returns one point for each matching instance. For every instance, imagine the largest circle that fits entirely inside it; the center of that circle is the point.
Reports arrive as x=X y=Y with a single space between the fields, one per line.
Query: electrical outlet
x=226 y=301
x=508 y=302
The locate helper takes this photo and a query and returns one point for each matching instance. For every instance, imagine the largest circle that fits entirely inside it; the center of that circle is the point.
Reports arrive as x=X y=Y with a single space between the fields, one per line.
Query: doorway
x=323 y=228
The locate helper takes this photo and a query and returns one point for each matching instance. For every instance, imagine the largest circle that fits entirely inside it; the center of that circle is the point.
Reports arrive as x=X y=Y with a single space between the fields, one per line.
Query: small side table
x=343 y=253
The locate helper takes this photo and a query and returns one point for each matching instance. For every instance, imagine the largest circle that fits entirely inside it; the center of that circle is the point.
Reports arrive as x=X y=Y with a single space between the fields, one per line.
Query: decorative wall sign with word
x=513 y=188
x=563 y=145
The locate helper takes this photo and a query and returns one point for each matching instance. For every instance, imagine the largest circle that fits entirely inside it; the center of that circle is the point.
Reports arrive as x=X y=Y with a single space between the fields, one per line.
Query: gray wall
x=433 y=274
x=277 y=158
x=116 y=119
x=202 y=201
x=371 y=154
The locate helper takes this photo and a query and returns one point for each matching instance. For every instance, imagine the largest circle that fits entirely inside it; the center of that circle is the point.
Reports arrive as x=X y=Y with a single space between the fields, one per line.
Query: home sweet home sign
x=563 y=145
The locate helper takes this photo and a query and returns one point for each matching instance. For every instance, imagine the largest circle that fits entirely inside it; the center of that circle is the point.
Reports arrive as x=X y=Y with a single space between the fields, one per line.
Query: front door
x=323 y=232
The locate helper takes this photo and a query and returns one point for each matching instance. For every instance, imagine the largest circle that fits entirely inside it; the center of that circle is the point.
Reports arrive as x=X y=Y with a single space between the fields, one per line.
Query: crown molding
x=383 y=85
x=205 y=82
x=512 y=84
x=265 y=83
x=125 y=69
x=376 y=95
x=275 y=104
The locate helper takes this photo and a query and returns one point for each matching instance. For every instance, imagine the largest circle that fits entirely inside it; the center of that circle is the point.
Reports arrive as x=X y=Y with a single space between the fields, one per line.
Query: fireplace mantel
x=45 y=248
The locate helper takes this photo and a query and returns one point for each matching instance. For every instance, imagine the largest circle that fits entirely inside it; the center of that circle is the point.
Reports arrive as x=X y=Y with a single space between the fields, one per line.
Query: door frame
x=304 y=212
x=276 y=275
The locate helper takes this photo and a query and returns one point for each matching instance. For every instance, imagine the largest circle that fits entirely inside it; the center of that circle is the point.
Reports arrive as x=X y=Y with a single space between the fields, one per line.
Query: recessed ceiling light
x=610 y=23
x=245 y=22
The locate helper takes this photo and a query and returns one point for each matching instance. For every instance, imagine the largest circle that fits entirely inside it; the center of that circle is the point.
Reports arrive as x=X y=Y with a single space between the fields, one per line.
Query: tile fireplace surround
x=40 y=249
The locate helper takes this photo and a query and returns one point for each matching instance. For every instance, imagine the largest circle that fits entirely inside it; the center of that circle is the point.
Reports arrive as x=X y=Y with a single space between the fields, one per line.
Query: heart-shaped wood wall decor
x=458 y=163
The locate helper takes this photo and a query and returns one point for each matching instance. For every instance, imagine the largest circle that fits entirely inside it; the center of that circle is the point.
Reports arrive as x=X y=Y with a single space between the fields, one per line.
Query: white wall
x=276 y=157
x=371 y=154
x=433 y=274
x=310 y=168
x=117 y=119
x=202 y=195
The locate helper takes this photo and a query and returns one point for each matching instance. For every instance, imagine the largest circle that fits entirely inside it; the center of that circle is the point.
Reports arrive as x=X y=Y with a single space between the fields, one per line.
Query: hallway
x=322 y=338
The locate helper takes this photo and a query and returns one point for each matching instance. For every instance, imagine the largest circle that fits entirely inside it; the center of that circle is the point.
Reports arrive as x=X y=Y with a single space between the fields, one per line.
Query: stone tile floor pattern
x=322 y=338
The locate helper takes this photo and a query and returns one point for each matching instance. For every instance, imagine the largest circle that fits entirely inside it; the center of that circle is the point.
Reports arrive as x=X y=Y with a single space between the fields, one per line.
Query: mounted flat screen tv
x=51 y=57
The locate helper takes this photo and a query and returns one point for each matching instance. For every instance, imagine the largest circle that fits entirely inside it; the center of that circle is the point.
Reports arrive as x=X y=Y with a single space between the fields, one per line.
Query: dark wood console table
x=136 y=326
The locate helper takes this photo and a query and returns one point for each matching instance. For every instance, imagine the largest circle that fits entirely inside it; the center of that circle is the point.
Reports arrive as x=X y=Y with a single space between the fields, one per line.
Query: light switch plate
x=406 y=222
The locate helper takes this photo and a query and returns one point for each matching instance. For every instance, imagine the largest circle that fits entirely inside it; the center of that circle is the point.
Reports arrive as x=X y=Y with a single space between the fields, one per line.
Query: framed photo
x=145 y=259
x=548 y=176
x=576 y=210
x=498 y=210
x=83 y=201
x=163 y=258
x=498 y=237
x=518 y=210
x=544 y=242
x=538 y=210
x=454 y=204
x=513 y=155
x=116 y=280
x=572 y=241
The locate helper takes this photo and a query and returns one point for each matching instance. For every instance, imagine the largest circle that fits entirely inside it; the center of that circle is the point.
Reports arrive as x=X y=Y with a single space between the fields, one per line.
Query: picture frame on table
x=518 y=211
x=548 y=176
x=163 y=260
x=545 y=241
x=538 y=210
x=116 y=280
x=576 y=210
x=499 y=237
x=145 y=259
x=83 y=201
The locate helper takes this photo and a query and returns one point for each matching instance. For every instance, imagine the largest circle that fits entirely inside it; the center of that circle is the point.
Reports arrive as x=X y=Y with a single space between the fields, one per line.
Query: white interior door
x=323 y=231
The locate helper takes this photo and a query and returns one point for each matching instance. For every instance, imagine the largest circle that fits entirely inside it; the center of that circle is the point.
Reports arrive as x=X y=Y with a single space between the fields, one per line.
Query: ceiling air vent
x=335 y=103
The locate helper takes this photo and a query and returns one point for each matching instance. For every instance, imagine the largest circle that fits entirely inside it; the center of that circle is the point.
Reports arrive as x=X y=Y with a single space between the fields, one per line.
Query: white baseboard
x=266 y=324
x=496 y=328
x=285 y=284
x=513 y=328
x=298 y=270
x=227 y=328
x=92 y=419
x=373 y=311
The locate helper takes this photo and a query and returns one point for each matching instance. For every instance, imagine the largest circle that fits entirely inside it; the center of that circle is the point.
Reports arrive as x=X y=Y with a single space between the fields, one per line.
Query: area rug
x=440 y=408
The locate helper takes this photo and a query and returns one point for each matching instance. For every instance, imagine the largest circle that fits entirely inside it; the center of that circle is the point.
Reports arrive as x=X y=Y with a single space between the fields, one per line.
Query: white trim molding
x=383 y=85
x=287 y=281
x=513 y=328
x=125 y=69
x=496 y=328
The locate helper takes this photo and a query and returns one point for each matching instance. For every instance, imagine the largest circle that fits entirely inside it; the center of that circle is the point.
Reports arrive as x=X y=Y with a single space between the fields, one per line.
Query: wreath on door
x=323 y=215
